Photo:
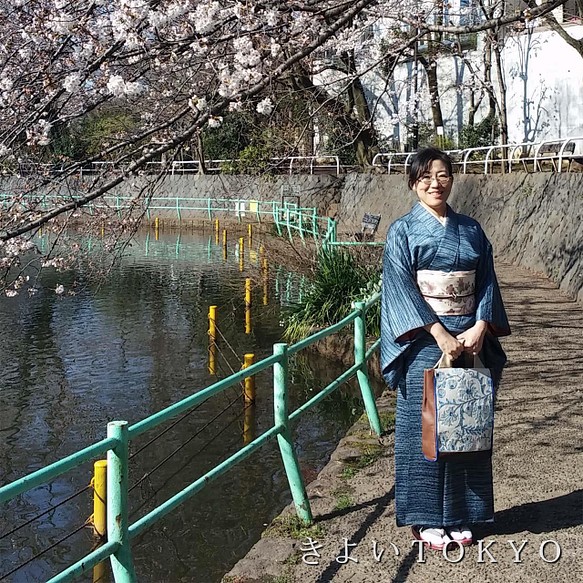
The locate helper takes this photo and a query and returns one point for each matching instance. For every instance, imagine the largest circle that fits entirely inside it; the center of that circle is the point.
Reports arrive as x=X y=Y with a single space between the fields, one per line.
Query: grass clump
x=338 y=281
x=370 y=454
x=387 y=421
x=290 y=525
x=343 y=497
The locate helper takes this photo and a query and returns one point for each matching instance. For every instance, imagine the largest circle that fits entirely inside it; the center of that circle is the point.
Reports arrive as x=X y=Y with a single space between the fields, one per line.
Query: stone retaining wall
x=532 y=220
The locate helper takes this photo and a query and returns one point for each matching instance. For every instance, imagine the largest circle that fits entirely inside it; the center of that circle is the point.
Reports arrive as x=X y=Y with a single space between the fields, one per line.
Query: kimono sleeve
x=403 y=309
x=489 y=305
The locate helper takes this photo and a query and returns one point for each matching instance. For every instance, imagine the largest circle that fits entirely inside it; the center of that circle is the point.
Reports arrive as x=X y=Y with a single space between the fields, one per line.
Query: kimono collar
x=424 y=216
x=448 y=236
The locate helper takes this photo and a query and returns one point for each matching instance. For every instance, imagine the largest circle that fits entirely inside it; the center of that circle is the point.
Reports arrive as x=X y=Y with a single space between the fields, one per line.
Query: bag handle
x=445 y=361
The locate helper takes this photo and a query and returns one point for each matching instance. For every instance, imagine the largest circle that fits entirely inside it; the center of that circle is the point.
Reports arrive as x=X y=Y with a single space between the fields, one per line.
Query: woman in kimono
x=440 y=500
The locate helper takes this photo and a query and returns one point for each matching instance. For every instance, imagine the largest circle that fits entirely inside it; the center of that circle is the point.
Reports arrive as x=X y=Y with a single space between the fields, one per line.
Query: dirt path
x=538 y=474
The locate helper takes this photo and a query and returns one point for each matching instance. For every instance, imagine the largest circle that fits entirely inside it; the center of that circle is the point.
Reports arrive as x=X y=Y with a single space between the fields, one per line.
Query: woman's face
x=434 y=186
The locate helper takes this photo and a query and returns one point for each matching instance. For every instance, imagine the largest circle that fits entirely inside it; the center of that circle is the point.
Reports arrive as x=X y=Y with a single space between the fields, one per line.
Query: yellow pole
x=100 y=573
x=250 y=233
x=248 y=305
x=241 y=253
x=224 y=244
x=213 y=340
x=156 y=228
x=249 y=401
x=217 y=231
x=99 y=497
x=265 y=281
x=249 y=424
x=249 y=392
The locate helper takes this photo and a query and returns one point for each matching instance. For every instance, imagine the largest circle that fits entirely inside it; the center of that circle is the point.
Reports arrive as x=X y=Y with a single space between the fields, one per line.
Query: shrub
x=338 y=281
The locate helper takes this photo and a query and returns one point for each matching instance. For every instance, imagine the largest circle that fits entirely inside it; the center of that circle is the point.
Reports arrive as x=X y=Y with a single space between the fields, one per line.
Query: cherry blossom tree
x=178 y=66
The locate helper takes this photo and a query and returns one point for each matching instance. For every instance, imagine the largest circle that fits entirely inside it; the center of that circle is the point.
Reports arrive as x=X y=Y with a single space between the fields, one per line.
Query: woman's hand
x=448 y=344
x=473 y=338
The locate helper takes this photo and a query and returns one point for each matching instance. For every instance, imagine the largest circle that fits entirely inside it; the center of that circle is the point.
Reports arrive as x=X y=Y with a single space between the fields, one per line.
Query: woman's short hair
x=421 y=163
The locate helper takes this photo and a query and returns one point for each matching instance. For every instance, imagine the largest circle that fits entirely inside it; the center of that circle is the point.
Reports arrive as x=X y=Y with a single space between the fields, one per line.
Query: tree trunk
x=365 y=138
x=200 y=153
x=353 y=115
x=502 y=111
x=430 y=67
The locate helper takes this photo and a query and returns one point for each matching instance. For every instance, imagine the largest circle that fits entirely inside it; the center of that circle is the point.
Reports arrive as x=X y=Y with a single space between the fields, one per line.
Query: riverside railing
x=288 y=218
x=501 y=157
x=117 y=545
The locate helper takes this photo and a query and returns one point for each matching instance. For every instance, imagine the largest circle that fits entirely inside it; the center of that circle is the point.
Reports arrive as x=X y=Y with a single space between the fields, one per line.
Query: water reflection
x=126 y=348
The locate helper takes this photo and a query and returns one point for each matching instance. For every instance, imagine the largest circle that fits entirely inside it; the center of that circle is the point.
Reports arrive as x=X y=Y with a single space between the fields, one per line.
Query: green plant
x=370 y=454
x=373 y=314
x=481 y=134
x=343 y=497
x=233 y=135
x=387 y=419
x=290 y=525
x=348 y=472
x=252 y=160
x=337 y=282
x=429 y=137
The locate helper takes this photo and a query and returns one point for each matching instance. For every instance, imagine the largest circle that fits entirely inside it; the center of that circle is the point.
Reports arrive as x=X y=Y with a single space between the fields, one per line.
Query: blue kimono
x=435 y=493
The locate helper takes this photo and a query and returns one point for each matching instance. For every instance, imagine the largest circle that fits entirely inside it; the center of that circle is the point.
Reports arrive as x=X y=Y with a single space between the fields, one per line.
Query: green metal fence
x=116 y=446
x=289 y=218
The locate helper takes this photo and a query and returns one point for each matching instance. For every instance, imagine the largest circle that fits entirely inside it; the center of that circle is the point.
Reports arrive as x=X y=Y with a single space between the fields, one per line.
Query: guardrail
x=502 y=157
x=318 y=164
x=120 y=532
x=288 y=217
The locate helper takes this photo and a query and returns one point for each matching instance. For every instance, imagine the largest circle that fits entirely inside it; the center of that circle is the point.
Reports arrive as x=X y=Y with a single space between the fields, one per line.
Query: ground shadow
x=538 y=517
x=380 y=505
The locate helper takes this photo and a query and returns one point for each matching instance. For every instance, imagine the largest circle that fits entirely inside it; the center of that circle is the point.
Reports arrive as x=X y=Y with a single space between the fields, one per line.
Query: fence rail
x=555 y=155
x=120 y=532
x=289 y=218
x=317 y=164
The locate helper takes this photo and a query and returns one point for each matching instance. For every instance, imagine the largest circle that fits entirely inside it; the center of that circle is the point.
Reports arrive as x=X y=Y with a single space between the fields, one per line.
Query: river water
x=124 y=348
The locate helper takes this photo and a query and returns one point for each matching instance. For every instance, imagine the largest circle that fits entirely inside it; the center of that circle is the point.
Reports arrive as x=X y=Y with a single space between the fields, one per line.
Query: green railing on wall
x=288 y=217
x=116 y=446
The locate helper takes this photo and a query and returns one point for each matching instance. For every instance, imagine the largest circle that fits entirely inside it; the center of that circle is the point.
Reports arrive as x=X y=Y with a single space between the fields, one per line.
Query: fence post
x=284 y=438
x=301 y=223
x=315 y=223
x=117 y=503
x=276 y=211
x=362 y=373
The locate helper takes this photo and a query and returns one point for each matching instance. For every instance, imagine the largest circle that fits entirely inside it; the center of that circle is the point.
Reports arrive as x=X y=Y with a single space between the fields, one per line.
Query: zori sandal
x=461 y=534
x=433 y=538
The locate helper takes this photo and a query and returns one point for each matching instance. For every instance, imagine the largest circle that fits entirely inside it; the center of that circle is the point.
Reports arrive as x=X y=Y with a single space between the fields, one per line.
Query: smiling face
x=434 y=186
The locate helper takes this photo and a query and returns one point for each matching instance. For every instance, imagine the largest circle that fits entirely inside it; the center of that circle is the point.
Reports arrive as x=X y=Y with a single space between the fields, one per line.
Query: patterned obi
x=448 y=293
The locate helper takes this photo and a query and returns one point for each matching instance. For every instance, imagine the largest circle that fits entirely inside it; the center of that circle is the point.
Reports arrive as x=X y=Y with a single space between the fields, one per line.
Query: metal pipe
x=117 y=503
x=284 y=438
x=99 y=484
x=362 y=372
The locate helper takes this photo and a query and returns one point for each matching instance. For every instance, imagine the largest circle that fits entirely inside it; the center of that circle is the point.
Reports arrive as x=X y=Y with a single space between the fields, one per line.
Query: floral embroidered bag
x=457 y=415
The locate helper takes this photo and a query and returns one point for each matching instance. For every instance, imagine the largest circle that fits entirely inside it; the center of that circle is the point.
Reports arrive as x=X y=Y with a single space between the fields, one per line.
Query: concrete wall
x=532 y=220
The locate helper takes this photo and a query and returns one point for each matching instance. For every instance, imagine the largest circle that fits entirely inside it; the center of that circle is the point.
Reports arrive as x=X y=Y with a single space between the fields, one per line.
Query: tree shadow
x=538 y=517
x=379 y=505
